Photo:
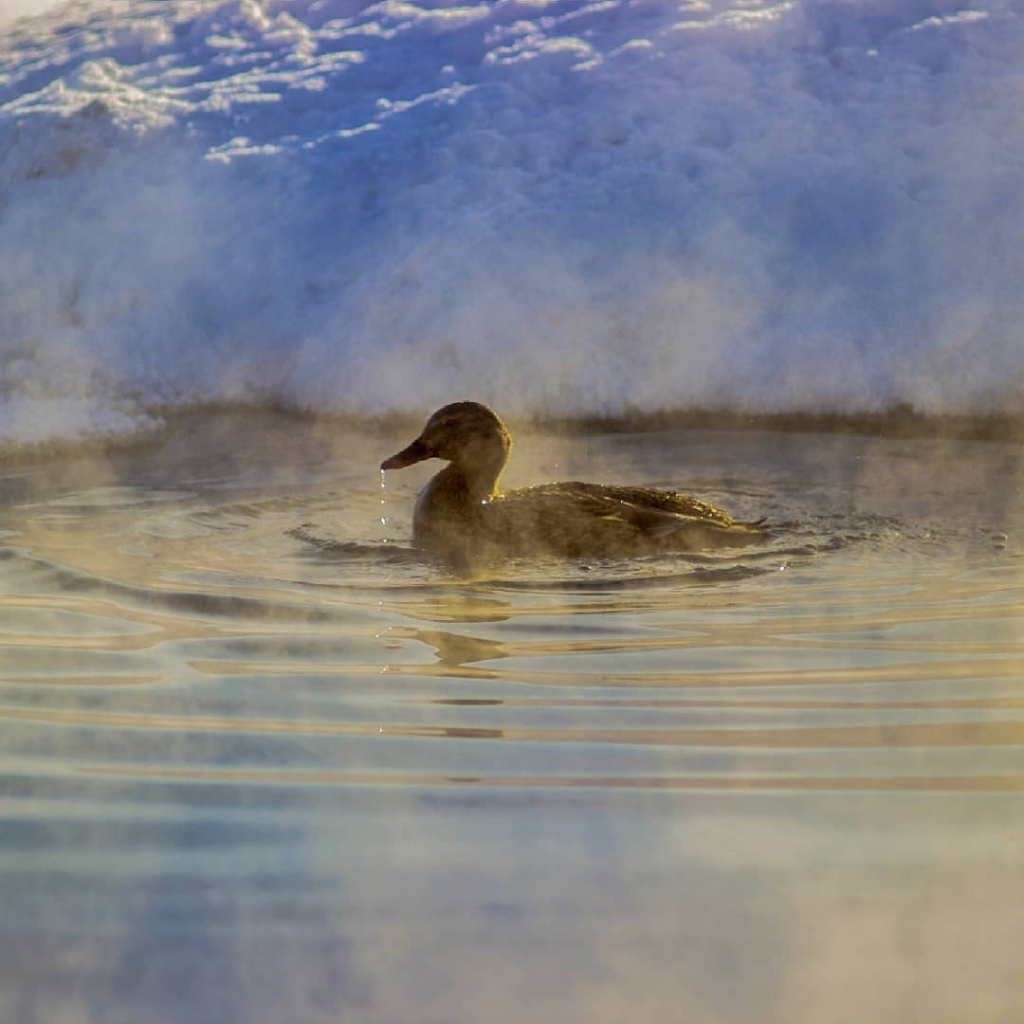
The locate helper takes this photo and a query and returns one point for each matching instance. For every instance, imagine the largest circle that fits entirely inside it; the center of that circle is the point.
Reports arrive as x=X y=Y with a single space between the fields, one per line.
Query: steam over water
x=258 y=766
x=554 y=205
x=262 y=763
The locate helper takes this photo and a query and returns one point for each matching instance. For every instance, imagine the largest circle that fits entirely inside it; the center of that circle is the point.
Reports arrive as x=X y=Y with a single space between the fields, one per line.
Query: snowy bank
x=557 y=206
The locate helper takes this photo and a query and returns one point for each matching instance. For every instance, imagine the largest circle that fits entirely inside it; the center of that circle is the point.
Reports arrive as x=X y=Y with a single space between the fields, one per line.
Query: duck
x=462 y=516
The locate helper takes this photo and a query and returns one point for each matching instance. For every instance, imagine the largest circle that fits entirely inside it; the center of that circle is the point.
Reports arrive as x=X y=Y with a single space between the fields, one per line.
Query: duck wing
x=578 y=519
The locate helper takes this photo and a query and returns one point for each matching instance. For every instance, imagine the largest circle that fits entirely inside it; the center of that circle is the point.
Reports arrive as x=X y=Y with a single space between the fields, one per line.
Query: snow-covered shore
x=562 y=207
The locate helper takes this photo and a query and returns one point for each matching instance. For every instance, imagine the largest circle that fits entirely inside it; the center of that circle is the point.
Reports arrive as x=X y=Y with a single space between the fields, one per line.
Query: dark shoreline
x=900 y=422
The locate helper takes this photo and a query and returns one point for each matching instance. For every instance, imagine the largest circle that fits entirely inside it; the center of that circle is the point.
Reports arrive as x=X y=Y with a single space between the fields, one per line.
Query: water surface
x=259 y=764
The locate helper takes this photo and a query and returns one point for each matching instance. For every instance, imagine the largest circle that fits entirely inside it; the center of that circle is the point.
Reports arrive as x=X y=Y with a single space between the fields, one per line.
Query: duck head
x=467 y=434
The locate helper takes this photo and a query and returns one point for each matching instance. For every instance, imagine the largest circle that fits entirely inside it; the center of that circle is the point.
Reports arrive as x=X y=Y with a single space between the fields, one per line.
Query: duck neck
x=480 y=476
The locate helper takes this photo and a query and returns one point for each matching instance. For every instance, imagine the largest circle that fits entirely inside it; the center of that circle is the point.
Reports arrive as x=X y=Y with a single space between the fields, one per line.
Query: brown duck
x=461 y=513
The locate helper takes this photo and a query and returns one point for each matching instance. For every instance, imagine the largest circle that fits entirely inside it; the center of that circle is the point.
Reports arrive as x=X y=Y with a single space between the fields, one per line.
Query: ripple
x=218 y=683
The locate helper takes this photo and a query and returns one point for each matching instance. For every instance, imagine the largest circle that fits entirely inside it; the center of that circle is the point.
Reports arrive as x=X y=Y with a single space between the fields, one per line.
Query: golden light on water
x=229 y=712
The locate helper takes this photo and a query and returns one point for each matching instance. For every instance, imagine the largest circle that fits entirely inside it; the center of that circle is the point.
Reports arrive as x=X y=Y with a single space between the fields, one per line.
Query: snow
x=551 y=205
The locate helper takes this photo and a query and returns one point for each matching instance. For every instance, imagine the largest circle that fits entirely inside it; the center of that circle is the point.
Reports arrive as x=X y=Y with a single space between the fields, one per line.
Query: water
x=257 y=766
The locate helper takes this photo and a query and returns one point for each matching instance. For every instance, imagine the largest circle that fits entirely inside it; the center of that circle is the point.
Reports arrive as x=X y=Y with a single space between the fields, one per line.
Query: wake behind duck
x=461 y=515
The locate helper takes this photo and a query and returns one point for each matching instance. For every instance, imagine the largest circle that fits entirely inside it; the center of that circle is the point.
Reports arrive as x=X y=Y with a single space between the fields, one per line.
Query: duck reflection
x=468 y=733
x=459 y=609
x=455 y=649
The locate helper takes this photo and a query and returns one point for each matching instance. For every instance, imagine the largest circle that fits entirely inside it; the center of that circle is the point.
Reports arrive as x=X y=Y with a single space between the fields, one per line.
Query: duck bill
x=416 y=452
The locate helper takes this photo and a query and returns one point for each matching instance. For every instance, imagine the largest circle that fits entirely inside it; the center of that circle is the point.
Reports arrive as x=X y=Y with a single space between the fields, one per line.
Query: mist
x=13 y=9
x=556 y=207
